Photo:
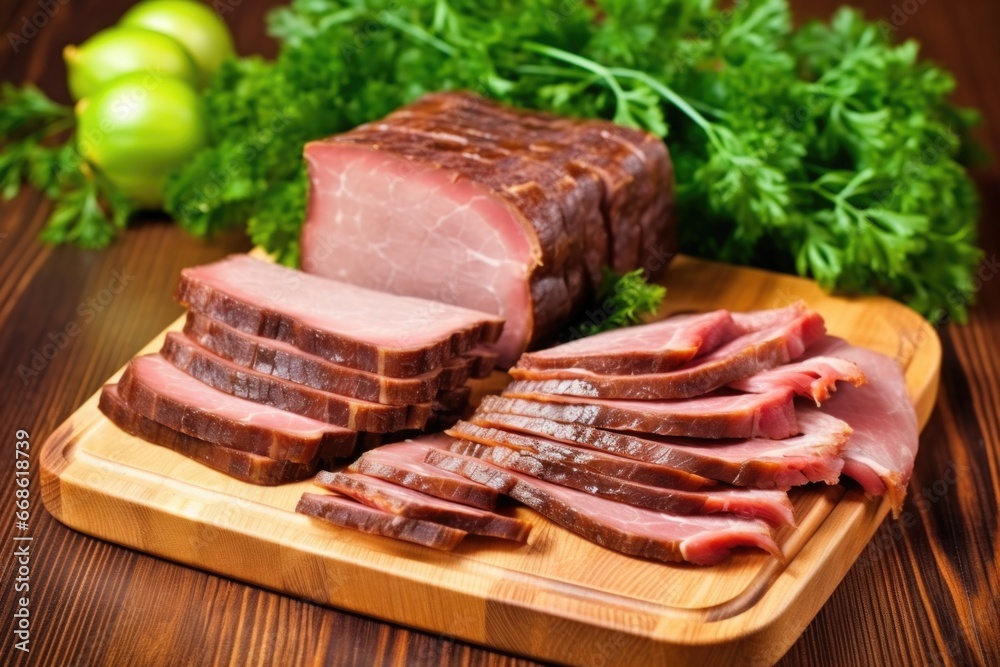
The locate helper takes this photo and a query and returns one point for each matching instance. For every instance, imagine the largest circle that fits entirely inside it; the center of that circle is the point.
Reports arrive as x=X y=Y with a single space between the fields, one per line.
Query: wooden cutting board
x=558 y=598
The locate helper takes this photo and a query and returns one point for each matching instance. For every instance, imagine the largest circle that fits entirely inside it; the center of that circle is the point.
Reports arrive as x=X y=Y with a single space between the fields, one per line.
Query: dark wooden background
x=926 y=594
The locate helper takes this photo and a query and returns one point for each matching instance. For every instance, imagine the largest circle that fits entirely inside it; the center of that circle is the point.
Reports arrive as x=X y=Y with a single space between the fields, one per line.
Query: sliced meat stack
x=392 y=492
x=277 y=371
x=678 y=440
x=509 y=211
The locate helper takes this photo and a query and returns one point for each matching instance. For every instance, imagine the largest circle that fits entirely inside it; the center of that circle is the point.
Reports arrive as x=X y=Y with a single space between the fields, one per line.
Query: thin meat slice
x=479 y=430
x=813 y=377
x=287 y=362
x=403 y=463
x=813 y=456
x=244 y=466
x=158 y=390
x=395 y=499
x=881 y=451
x=380 y=333
x=351 y=413
x=351 y=514
x=700 y=539
x=742 y=357
x=714 y=416
x=649 y=348
x=771 y=506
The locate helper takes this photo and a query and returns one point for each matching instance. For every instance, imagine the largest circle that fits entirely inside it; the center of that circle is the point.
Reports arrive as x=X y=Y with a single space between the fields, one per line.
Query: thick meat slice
x=352 y=413
x=771 y=506
x=400 y=500
x=701 y=539
x=597 y=461
x=158 y=390
x=403 y=464
x=813 y=456
x=504 y=203
x=712 y=416
x=650 y=348
x=881 y=450
x=452 y=401
x=244 y=466
x=348 y=325
x=482 y=360
x=287 y=362
x=812 y=377
x=350 y=514
x=742 y=357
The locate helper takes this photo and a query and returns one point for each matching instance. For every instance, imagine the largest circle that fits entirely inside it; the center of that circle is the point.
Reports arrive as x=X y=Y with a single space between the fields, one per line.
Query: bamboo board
x=558 y=598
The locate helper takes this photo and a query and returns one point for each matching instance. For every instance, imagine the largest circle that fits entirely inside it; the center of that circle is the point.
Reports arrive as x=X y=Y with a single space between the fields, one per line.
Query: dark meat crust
x=350 y=514
x=572 y=518
x=598 y=461
x=260 y=319
x=447 y=488
x=347 y=412
x=764 y=415
x=475 y=521
x=195 y=422
x=244 y=466
x=262 y=355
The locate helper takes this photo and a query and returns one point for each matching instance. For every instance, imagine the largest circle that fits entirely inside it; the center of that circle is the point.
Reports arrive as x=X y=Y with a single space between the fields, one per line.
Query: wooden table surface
x=926 y=591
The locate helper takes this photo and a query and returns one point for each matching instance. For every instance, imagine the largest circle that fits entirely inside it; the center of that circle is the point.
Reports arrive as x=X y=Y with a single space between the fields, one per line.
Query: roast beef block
x=511 y=212
x=813 y=456
x=351 y=514
x=704 y=539
x=158 y=390
x=400 y=500
x=376 y=332
x=244 y=466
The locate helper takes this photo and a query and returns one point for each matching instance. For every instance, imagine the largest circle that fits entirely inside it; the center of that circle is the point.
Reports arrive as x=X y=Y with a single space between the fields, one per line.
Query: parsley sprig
x=37 y=147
